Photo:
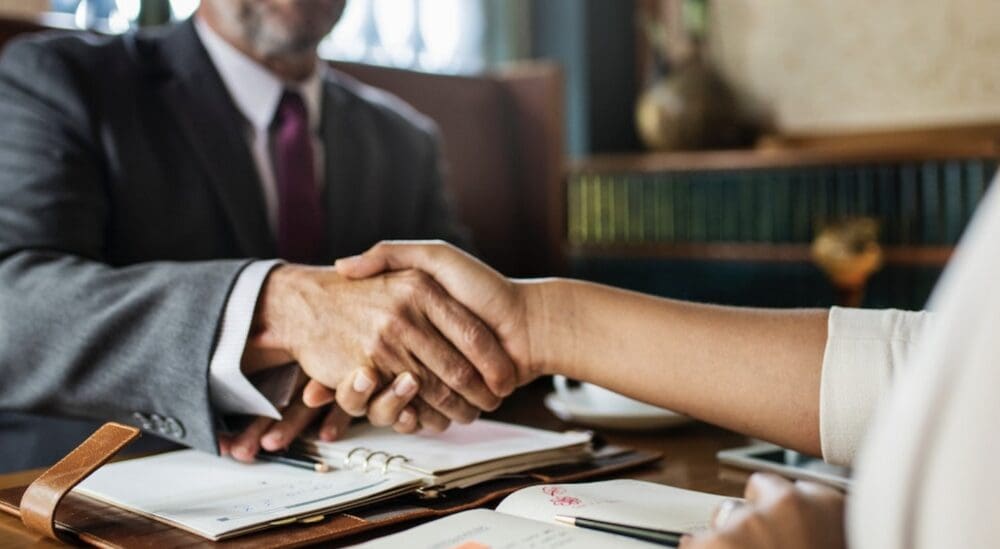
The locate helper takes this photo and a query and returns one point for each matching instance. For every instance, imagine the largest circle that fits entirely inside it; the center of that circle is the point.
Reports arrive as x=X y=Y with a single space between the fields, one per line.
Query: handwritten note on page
x=484 y=529
x=624 y=501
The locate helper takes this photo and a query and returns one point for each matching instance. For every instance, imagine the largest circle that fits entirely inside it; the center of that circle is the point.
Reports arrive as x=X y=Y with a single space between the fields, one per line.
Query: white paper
x=460 y=446
x=631 y=502
x=213 y=496
x=484 y=529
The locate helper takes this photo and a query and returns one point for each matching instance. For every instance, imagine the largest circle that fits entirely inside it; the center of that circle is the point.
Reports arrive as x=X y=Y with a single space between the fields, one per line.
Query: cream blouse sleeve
x=865 y=350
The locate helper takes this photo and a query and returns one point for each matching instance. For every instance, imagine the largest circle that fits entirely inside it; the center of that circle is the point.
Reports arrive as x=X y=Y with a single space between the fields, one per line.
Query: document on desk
x=485 y=529
x=624 y=501
x=526 y=518
x=219 y=498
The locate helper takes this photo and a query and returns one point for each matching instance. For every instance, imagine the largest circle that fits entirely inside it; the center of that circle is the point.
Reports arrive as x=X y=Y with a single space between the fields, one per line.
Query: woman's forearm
x=755 y=371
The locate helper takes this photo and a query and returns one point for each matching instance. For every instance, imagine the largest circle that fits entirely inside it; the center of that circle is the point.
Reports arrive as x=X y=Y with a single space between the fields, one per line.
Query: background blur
x=767 y=152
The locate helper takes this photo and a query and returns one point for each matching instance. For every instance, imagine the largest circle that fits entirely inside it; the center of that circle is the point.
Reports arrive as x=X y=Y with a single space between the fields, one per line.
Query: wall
x=827 y=66
x=23 y=7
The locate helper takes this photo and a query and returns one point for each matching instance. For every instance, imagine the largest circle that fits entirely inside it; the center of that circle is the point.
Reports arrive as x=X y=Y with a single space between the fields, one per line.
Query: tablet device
x=787 y=463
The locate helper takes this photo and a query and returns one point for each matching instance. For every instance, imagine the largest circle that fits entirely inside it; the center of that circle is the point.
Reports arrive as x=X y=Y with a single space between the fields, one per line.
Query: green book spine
x=782 y=199
x=603 y=208
x=909 y=215
x=650 y=208
x=820 y=194
x=930 y=204
x=699 y=207
x=574 y=229
x=665 y=208
x=682 y=206
x=764 y=190
x=951 y=195
x=801 y=211
x=637 y=218
x=622 y=213
x=975 y=184
x=730 y=207
x=886 y=187
x=713 y=206
x=747 y=205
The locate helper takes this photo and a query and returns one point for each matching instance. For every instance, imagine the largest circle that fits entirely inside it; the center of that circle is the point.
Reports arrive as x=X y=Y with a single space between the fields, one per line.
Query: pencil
x=302 y=462
x=663 y=537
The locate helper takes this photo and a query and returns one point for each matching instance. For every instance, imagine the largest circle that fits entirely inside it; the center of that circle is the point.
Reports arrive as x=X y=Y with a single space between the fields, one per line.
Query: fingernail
x=243 y=453
x=346 y=261
x=362 y=383
x=272 y=440
x=406 y=416
x=405 y=386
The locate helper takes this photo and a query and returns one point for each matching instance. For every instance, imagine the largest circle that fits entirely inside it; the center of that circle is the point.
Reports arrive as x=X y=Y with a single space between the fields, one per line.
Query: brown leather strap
x=39 y=502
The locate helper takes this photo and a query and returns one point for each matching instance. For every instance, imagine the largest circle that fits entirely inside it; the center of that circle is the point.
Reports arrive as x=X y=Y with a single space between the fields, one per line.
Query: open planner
x=526 y=518
x=218 y=498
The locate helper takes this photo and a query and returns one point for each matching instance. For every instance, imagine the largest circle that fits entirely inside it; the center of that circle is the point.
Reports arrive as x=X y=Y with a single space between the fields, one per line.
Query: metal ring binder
x=385 y=466
x=347 y=459
x=368 y=458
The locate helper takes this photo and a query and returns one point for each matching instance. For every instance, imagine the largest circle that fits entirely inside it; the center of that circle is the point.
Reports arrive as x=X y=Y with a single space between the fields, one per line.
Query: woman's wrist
x=549 y=308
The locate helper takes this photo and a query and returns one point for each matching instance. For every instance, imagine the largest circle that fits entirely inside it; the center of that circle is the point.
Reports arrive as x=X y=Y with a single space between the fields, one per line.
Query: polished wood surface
x=688 y=462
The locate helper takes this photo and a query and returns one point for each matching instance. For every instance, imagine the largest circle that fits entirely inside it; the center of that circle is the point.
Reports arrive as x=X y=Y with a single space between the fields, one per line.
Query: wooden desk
x=689 y=458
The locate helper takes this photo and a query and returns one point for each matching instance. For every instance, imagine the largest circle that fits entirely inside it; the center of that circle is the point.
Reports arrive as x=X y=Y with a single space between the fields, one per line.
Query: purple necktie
x=300 y=211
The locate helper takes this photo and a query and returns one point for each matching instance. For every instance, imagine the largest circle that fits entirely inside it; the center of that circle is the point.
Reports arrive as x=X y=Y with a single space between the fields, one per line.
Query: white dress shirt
x=256 y=93
x=918 y=394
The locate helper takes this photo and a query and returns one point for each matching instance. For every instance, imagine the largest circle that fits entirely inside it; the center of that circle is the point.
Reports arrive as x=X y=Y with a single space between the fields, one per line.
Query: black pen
x=295 y=460
x=663 y=537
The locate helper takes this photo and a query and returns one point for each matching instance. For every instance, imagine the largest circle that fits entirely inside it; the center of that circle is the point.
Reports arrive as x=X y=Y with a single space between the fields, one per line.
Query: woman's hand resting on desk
x=778 y=514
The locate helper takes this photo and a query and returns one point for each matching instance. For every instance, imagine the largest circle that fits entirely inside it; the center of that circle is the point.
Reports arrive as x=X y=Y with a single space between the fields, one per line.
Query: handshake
x=412 y=334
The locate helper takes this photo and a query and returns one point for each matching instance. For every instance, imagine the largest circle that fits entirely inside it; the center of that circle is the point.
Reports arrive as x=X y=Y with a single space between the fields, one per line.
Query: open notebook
x=527 y=517
x=218 y=498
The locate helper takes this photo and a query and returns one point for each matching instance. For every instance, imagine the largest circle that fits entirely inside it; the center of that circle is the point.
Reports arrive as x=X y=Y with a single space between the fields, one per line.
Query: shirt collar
x=256 y=90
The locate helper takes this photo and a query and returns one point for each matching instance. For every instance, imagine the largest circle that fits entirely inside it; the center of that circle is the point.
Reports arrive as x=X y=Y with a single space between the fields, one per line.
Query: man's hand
x=781 y=514
x=353 y=335
x=500 y=302
x=274 y=436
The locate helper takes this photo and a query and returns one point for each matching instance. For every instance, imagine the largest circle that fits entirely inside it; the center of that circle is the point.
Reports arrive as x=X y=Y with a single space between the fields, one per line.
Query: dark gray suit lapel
x=210 y=121
x=344 y=171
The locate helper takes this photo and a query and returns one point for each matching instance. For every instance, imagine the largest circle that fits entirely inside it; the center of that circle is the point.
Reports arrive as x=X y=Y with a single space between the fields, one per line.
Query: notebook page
x=483 y=529
x=213 y=496
x=631 y=502
x=460 y=446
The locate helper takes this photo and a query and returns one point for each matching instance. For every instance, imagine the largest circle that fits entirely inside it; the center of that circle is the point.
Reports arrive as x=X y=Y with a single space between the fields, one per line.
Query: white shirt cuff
x=231 y=391
x=865 y=349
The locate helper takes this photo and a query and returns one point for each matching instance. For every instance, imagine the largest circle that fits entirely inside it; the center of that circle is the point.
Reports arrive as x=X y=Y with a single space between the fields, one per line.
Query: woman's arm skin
x=754 y=371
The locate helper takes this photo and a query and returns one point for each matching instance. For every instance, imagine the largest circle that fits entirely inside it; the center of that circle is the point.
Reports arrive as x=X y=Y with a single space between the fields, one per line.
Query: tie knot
x=291 y=108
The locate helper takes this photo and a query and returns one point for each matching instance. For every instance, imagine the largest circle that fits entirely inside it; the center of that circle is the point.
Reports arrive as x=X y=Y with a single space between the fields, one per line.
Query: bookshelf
x=758 y=212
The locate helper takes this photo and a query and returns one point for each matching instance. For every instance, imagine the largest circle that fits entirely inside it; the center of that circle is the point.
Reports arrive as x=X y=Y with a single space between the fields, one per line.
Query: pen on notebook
x=663 y=537
x=295 y=460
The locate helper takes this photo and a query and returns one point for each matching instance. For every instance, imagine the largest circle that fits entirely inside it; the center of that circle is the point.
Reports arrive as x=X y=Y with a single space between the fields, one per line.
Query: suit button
x=159 y=423
x=143 y=421
x=174 y=428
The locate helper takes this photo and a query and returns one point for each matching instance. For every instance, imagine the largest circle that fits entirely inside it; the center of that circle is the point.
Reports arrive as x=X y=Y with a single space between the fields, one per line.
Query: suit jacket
x=129 y=204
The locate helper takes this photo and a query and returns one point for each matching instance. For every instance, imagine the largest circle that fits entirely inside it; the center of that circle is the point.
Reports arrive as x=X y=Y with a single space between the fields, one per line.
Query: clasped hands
x=413 y=335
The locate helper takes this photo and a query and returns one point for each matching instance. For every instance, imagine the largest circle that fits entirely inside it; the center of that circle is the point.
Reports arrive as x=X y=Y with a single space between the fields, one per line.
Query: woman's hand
x=498 y=301
x=778 y=514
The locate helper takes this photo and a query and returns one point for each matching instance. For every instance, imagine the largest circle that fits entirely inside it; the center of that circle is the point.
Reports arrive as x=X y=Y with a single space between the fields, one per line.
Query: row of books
x=754 y=284
x=916 y=203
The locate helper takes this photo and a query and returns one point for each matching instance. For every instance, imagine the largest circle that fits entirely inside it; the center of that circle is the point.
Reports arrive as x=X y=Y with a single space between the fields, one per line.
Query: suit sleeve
x=80 y=337
x=438 y=219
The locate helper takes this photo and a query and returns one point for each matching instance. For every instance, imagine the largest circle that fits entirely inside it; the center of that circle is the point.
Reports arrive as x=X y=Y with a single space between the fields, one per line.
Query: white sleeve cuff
x=231 y=391
x=864 y=350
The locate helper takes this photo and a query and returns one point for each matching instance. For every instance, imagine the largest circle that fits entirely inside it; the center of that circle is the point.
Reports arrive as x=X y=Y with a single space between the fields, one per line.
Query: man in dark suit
x=147 y=181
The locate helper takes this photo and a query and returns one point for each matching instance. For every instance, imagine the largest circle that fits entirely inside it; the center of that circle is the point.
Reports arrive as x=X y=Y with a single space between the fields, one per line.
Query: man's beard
x=269 y=36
